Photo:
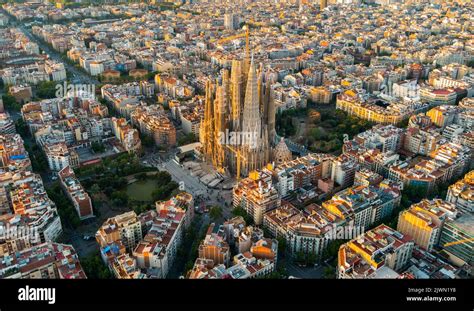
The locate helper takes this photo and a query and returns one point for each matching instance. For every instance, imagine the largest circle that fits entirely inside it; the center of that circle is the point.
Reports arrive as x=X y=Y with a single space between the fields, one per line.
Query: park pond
x=142 y=190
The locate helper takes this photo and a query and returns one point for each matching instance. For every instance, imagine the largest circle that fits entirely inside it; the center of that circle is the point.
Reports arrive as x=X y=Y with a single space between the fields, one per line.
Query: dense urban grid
x=234 y=139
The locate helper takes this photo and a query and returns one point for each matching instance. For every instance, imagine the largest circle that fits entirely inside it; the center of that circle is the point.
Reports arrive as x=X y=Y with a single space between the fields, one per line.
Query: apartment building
x=461 y=193
x=365 y=177
x=433 y=96
x=377 y=110
x=379 y=253
x=191 y=121
x=173 y=87
x=49 y=260
x=182 y=201
x=301 y=172
x=125 y=267
x=154 y=123
x=13 y=155
x=32 y=74
x=59 y=156
x=146 y=245
x=128 y=136
x=31 y=209
x=256 y=256
x=24 y=204
x=443 y=115
x=343 y=170
x=256 y=194
x=76 y=193
x=424 y=221
x=447 y=161
x=125 y=228
x=382 y=137
x=158 y=249
x=214 y=246
x=457 y=240
x=246 y=266
x=421 y=141
x=306 y=232
x=365 y=205
x=7 y=126
x=426 y=265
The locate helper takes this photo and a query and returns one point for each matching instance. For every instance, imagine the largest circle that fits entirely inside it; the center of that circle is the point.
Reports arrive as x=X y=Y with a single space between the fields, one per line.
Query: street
x=309 y=271
x=222 y=198
x=305 y=272
x=82 y=247
x=77 y=76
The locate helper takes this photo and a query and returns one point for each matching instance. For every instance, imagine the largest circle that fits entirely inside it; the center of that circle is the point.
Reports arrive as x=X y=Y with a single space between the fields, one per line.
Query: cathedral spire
x=236 y=106
x=236 y=94
x=251 y=117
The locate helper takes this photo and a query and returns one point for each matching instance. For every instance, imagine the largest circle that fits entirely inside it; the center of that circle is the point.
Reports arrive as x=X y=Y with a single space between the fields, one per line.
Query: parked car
x=87 y=237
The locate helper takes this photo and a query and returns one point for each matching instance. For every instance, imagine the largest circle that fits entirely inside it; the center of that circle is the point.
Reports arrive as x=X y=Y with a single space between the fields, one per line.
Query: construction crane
x=245 y=34
x=445 y=245
x=458 y=242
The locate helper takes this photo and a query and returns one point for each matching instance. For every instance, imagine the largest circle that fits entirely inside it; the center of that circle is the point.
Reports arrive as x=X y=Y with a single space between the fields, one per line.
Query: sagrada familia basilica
x=238 y=127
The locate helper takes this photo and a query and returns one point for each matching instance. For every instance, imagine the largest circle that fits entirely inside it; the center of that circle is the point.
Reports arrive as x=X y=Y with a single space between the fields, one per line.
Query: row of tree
x=327 y=134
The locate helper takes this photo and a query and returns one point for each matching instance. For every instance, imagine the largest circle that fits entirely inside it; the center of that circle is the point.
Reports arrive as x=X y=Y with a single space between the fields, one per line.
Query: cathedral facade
x=239 y=118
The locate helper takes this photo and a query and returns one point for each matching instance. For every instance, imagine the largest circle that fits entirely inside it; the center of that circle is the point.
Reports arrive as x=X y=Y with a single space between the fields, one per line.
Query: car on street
x=86 y=237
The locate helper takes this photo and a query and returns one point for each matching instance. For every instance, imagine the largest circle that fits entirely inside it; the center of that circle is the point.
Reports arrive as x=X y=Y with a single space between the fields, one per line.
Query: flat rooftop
x=466 y=223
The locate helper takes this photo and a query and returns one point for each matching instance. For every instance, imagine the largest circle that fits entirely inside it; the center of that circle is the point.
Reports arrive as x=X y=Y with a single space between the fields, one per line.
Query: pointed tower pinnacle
x=236 y=95
x=252 y=123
